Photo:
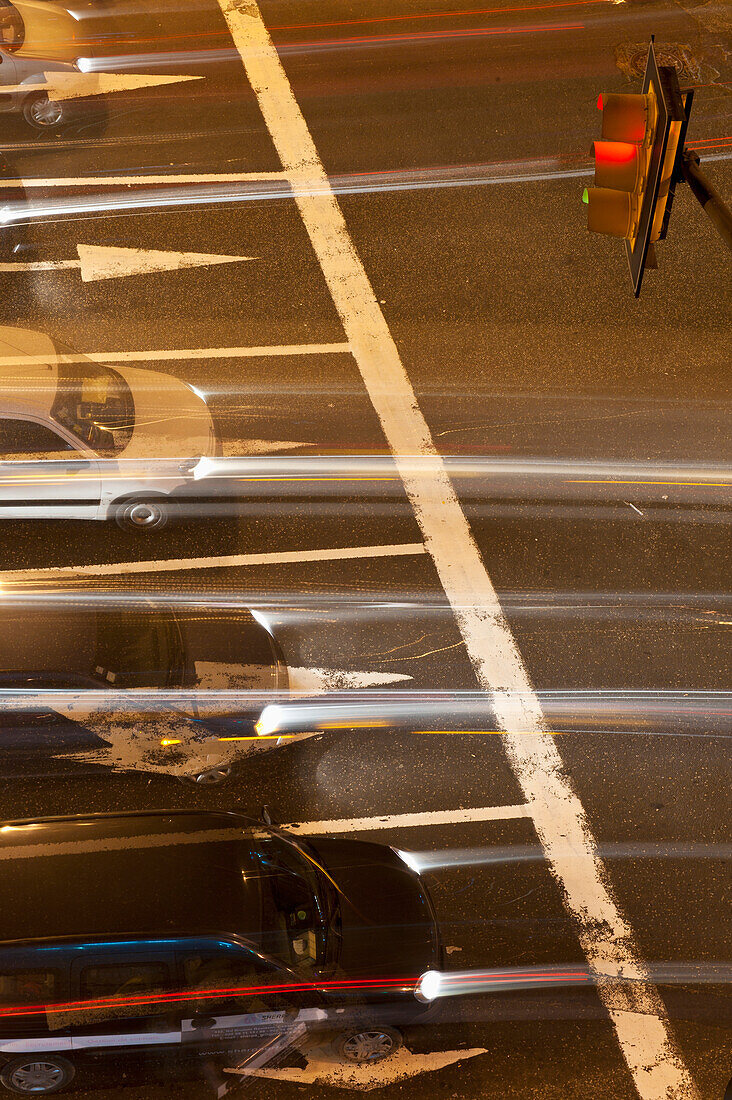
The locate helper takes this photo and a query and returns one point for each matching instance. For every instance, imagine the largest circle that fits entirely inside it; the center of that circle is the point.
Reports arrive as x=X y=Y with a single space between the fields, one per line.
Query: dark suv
x=201 y=932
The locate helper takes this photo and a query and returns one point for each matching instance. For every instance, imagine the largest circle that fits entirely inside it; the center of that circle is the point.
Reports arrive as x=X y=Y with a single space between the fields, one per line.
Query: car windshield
x=299 y=904
x=95 y=403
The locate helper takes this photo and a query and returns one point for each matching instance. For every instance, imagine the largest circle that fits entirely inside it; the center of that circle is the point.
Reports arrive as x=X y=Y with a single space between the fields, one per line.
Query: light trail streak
x=419 y=37
x=212 y=190
x=428 y=862
x=437 y=15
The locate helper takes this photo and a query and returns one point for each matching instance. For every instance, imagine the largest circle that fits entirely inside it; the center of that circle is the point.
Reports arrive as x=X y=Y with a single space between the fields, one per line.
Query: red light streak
x=434 y=15
x=407 y=985
x=425 y=36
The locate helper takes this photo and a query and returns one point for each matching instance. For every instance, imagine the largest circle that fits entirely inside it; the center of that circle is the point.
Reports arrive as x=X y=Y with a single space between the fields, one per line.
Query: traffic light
x=634 y=165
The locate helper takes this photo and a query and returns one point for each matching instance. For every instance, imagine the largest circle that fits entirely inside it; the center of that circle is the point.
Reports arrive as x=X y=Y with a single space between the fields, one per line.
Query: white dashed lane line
x=638 y=1015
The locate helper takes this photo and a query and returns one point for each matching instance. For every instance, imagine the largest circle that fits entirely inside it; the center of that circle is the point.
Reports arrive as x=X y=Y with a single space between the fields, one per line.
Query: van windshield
x=299 y=905
x=95 y=403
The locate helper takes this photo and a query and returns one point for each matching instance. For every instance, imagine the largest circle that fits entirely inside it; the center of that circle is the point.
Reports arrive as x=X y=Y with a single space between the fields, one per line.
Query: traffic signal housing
x=634 y=165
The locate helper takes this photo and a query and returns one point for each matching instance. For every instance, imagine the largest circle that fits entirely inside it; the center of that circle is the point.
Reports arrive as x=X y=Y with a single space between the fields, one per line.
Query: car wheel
x=368 y=1044
x=43 y=113
x=140 y=514
x=36 y=1074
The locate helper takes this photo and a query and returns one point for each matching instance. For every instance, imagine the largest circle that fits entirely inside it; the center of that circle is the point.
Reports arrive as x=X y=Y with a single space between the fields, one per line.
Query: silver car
x=36 y=108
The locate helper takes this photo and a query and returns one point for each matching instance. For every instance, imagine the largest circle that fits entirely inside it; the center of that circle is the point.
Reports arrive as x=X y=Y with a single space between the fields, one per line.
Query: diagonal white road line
x=175 y=565
x=558 y=815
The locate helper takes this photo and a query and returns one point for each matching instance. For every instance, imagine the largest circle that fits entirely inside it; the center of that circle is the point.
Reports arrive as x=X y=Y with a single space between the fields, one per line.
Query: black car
x=133 y=685
x=201 y=933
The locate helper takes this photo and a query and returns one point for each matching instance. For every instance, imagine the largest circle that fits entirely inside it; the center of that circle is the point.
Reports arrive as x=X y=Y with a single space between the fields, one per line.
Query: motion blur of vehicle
x=37 y=37
x=104 y=684
x=204 y=934
x=80 y=439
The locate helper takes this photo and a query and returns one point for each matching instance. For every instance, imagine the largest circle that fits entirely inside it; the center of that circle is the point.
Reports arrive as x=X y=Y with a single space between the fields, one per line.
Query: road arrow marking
x=106 y=262
x=69 y=85
x=324 y=1070
x=101 y=262
x=316 y=681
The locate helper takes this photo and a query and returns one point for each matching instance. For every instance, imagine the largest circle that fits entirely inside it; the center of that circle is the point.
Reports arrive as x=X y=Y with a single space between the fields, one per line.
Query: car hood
x=171 y=421
x=388 y=926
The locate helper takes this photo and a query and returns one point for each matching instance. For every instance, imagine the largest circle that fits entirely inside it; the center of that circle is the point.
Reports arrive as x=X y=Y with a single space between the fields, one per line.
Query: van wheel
x=43 y=113
x=368 y=1044
x=36 y=1074
x=141 y=514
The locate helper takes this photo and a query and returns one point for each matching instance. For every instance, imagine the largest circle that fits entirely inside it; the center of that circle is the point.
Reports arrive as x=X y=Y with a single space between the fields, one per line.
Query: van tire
x=366 y=1044
x=143 y=514
x=44 y=114
x=58 y=1072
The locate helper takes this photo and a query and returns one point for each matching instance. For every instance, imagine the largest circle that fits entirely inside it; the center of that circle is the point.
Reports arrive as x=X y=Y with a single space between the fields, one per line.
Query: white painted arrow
x=324 y=1070
x=106 y=262
x=71 y=85
x=318 y=680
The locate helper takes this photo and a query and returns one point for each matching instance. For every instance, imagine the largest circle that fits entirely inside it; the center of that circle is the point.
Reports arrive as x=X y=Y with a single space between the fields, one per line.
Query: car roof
x=184 y=873
x=29 y=387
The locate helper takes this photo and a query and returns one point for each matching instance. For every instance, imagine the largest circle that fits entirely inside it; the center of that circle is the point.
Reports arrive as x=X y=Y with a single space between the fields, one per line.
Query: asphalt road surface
x=455 y=141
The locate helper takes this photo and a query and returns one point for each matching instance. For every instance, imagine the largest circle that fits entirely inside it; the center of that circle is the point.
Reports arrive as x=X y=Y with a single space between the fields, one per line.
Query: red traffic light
x=617 y=164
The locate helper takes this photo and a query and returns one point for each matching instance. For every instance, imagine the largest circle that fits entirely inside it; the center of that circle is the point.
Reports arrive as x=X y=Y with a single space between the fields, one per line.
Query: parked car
x=203 y=934
x=155 y=666
x=37 y=109
x=83 y=440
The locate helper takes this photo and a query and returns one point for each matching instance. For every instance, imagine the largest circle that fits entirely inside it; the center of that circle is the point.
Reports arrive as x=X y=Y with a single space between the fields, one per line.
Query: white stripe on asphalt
x=137 y=181
x=10 y=851
x=336 y=553
x=160 y=355
x=559 y=818
x=408 y=821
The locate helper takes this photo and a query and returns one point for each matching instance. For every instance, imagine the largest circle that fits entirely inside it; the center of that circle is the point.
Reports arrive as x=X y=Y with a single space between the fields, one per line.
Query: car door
x=43 y=475
x=127 y=1003
x=237 y=1002
x=31 y=982
x=7 y=80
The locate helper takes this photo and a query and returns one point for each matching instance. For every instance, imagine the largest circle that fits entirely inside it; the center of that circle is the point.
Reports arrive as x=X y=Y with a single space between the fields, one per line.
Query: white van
x=83 y=440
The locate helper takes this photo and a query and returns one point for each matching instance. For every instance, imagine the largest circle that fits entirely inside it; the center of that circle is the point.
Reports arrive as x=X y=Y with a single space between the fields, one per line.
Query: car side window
x=24 y=439
x=129 y=988
x=27 y=987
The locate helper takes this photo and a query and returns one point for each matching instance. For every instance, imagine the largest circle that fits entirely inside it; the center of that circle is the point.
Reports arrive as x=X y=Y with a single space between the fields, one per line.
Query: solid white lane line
x=337 y=553
x=10 y=851
x=559 y=818
x=164 y=354
x=140 y=181
x=409 y=821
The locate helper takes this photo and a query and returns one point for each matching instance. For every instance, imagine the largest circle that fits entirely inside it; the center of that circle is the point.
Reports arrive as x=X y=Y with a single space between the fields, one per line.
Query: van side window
x=27 y=987
x=233 y=983
x=124 y=984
